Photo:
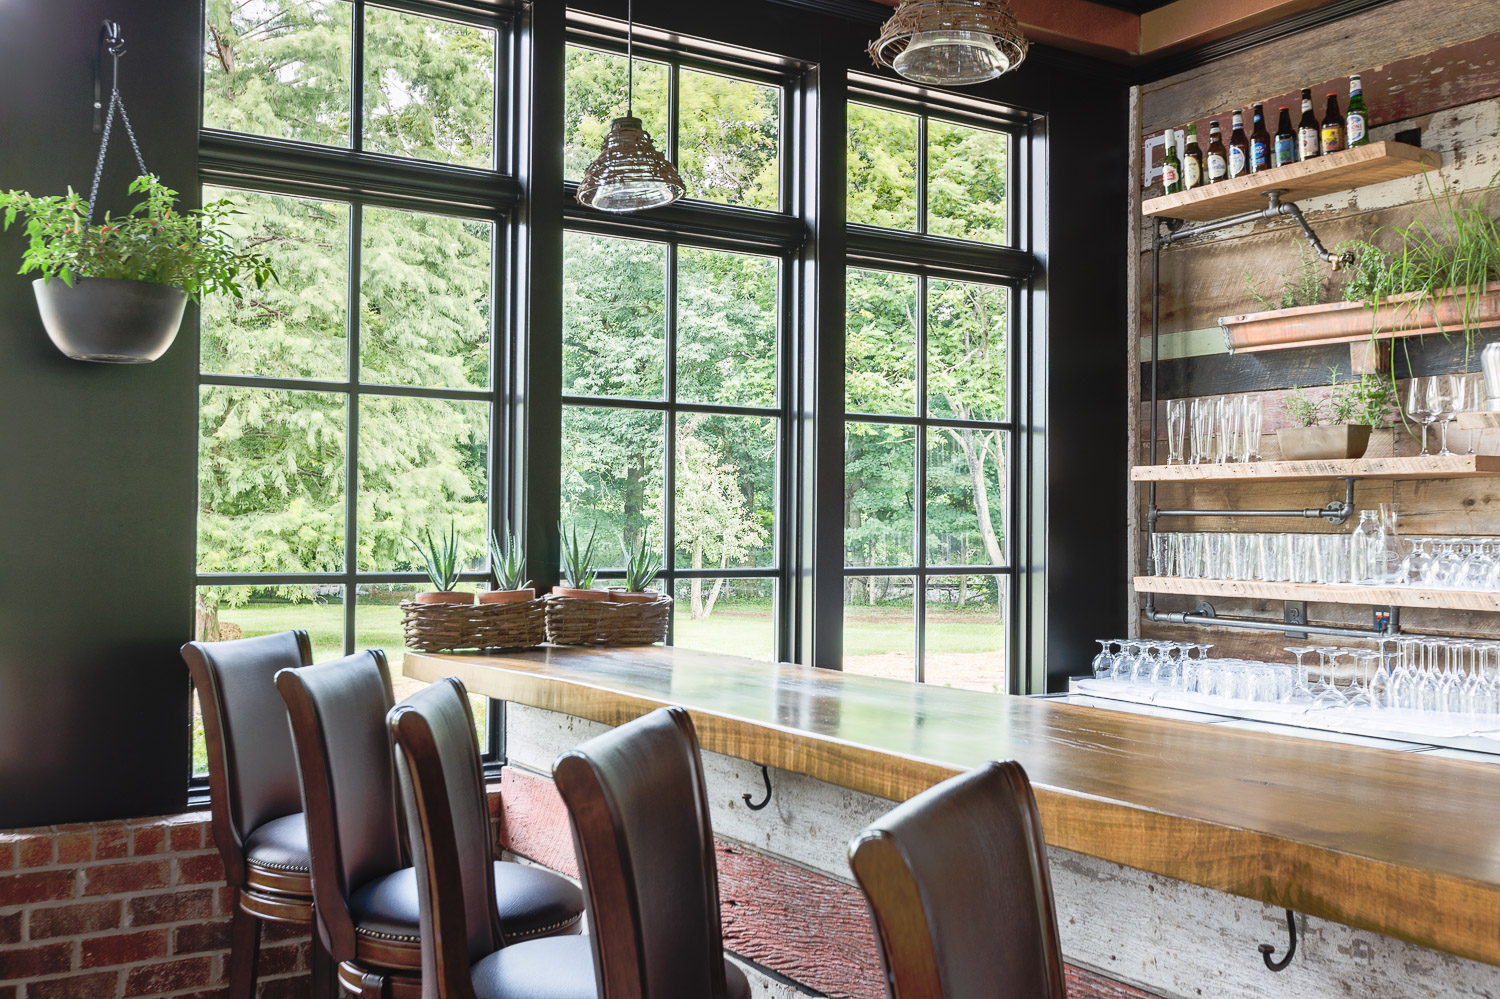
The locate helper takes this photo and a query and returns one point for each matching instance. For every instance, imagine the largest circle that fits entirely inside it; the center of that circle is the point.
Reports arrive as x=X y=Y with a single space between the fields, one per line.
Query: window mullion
x=357 y=79
x=351 y=432
x=669 y=445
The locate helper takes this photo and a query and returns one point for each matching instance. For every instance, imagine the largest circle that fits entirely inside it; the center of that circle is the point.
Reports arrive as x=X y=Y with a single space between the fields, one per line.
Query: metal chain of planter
x=116 y=103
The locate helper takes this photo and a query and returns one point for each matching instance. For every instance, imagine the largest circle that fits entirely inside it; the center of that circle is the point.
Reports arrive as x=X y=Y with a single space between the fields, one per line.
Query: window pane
x=733 y=617
x=429 y=89
x=294 y=327
x=379 y=624
x=880 y=343
x=726 y=328
x=596 y=83
x=726 y=491
x=880 y=631
x=964 y=643
x=422 y=465
x=424 y=300
x=612 y=478
x=270 y=480
x=879 y=510
x=614 y=316
x=966 y=182
x=967 y=496
x=729 y=140
x=882 y=168
x=278 y=67
x=967 y=341
x=221 y=613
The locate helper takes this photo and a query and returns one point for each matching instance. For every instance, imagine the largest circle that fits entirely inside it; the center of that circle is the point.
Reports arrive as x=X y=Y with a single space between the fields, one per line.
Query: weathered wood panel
x=1446 y=466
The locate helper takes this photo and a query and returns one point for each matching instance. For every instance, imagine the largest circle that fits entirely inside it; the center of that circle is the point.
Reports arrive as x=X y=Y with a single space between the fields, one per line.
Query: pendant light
x=950 y=42
x=630 y=173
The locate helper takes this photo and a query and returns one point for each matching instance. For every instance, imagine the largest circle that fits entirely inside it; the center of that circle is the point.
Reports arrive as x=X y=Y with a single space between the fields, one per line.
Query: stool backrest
x=442 y=790
x=348 y=774
x=252 y=772
x=957 y=883
x=646 y=856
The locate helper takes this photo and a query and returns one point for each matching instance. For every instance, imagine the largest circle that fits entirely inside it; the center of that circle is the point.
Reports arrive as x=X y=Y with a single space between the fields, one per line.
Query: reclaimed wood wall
x=1439 y=71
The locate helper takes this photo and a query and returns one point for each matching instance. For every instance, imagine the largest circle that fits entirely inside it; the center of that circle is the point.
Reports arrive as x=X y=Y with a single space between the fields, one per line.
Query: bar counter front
x=1396 y=843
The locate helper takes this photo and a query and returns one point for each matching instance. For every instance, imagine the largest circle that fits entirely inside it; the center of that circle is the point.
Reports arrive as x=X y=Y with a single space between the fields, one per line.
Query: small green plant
x=642 y=566
x=1302 y=409
x=153 y=242
x=1304 y=286
x=508 y=564
x=440 y=555
x=578 y=560
x=1362 y=402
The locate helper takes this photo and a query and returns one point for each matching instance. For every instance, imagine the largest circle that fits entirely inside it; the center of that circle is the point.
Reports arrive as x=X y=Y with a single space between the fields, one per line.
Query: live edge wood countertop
x=1399 y=843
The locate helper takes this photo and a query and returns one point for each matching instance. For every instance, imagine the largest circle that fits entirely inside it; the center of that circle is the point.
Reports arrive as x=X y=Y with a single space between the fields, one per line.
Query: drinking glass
x=1164 y=557
x=1416 y=567
x=1327 y=690
x=1475 y=401
x=1449 y=398
x=1230 y=416
x=1176 y=429
x=1301 y=695
x=1391 y=556
x=1250 y=424
x=1419 y=408
x=1201 y=417
x=1104 y=662
x=1357 y=696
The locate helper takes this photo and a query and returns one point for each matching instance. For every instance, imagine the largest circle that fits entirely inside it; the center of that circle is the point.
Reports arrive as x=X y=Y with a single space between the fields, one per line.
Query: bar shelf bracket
x=750 y=803
x=1266 y=950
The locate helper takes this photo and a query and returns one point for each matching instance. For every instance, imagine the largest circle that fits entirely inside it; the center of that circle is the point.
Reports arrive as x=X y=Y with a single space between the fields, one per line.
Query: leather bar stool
x=256 y=805
x=464 y=954
x=645 y=846
x=366 y=892
x=959 y=892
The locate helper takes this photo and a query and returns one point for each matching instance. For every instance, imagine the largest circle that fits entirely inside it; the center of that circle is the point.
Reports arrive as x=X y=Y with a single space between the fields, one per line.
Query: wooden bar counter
x=1399 y=843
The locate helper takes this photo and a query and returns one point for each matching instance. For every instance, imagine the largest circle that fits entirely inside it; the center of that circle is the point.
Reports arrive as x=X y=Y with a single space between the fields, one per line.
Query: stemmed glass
x=1440 y=405
x=1104 y=662
x=1450 y=401
x=1474 y=402
x=1418 y=407
x=1357 y=696
x=1416 y=568
x=1326 y=692
x=1301 y=695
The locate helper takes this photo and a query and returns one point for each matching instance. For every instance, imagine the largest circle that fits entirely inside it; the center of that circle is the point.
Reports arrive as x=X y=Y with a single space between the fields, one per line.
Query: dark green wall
x=97 y=471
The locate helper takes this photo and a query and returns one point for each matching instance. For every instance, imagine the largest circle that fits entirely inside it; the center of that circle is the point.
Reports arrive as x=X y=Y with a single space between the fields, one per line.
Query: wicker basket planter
x=574 y=621
x=452 y=627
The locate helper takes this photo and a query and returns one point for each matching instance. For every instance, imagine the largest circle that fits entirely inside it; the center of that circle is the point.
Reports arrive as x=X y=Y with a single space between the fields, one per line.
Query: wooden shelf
x=1322 y=593
x=1341 y=171
x=1482 y=420
x=1456 y=466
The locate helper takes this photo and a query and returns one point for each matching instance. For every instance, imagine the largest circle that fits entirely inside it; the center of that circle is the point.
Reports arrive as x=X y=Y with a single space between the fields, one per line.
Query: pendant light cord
x=629 y=58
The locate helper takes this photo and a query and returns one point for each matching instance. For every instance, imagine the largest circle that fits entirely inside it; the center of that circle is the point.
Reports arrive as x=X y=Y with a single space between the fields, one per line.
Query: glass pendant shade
x=630 y=174
x=950 y=42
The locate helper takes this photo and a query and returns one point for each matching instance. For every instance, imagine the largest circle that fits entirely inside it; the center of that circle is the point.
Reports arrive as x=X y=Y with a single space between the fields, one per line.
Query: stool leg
x=325 y=984
x=244 y=949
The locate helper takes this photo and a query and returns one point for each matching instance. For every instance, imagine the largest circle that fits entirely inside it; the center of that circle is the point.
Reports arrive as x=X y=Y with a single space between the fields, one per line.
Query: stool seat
x=549 y=968
x=281 y=845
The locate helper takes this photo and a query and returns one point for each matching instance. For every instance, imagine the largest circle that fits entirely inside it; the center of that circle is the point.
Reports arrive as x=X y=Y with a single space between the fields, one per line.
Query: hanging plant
x=116 y=291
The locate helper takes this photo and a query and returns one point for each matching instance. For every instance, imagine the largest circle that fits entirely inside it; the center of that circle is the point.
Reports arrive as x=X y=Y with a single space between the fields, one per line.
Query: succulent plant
x=440 y=555
x=642 y=566
x=508 y=564
x=578 y=561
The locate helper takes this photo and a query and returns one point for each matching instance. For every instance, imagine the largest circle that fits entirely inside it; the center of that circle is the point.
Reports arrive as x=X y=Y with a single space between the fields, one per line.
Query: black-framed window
x=359 y=400
x=932 y=389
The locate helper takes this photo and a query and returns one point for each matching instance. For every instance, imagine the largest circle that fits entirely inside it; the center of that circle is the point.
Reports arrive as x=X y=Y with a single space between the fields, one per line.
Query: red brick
x=74 y=920
x=7 y=992
x=33 y=962
x=147 y=840
x=75 y=847
x=39 y=886
x=170 y=976
x=203 y=868
x=35 y=850
x=10 y=928
x=7 y=854
x=111 y=841
x=282 y=960
x=123 y=948
x=200 y=937
x=171 y=907
x=296 y=987
x=113 y=879
x=277 y=932
x=208 y=837
x=225 y=902
x=97 y=985
x=187 y=836
x=219 y=993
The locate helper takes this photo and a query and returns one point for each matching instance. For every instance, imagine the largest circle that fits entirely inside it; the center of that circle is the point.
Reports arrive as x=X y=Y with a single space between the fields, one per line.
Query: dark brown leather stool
x=645 y=846
x=959 y=892
x=256 y=804
x=367 y=900
x=464 y=955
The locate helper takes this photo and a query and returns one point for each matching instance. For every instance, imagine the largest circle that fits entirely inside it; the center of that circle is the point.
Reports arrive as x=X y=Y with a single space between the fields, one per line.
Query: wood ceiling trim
x=1186 y=23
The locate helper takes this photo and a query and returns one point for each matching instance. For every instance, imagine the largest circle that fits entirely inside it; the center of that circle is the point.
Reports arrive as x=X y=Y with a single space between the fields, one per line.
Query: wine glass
x=1104 y=662
x=1301 y=695
x=1475 y=401
x=1357 y=696
x=1447 y=401
x=1418 y=407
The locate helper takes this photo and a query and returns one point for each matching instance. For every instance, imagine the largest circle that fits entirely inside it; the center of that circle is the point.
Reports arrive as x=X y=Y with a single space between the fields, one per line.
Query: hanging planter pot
x=110 y=319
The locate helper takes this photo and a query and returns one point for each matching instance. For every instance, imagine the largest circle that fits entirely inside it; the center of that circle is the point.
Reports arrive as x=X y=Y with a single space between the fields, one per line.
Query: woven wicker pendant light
x=950 y=42
x=630 y=173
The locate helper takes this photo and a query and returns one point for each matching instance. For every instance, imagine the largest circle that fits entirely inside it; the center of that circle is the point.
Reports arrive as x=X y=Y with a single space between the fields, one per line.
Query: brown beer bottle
x=1218 y=159
x=1260 y=142
x=1309 y=141
x=1192 y=161
x=1333 y=127
x=1239 y=147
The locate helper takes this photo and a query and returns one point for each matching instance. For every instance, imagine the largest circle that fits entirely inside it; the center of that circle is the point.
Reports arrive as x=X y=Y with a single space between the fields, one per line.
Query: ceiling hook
x=111 y=41
x=766 y=776
x=1266 y=950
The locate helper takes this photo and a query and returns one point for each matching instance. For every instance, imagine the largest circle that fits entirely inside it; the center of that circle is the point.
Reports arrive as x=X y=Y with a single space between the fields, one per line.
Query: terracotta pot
x=110 y=319
x=568 y=591
x=1315 y=443
x=444 y=597
x=506 y=596
x=620 y=595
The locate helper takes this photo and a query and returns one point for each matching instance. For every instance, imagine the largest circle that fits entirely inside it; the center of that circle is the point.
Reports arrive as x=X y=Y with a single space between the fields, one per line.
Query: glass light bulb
x=951 y=58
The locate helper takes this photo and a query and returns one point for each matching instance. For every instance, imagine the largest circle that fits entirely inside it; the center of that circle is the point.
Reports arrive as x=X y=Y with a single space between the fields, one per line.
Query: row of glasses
x=1447 y=676
x=1214 y=430
x=1451 y=563
x=1143 y=660
x=1276 y=558
x=1440 y=398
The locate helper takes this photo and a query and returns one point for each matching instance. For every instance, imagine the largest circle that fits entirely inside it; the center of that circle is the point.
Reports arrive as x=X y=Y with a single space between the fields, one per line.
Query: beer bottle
x=1239 y=147
x=1171 y=169
x=1357 y=123
x=1285 y=149
x=1260 y=140
x=1192 y=160
x=1218 y=163
x=1333 y=127
x=1309 y=142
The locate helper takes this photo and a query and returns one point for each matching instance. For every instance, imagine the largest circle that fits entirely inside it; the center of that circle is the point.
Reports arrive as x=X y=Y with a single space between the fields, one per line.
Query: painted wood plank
x=1450 y=466
x=1376 y=596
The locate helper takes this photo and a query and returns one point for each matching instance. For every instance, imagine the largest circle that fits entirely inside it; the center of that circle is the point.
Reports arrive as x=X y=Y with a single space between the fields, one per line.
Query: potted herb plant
x=509 y=568
x=440 y=555
x=116 y=291
x=1353 y=409
x=642 y=566
x=579 y=571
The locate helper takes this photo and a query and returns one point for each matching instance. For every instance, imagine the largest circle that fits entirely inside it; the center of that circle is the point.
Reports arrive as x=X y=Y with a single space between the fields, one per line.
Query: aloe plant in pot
x=440 y=556
x=579 y=571
x=642 y=566
x=509 y=568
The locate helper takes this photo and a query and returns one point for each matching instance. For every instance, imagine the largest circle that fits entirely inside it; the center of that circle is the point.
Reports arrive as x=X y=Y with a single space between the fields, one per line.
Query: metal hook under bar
x=1266 y=950
x=110 y=40
x=766 y=776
